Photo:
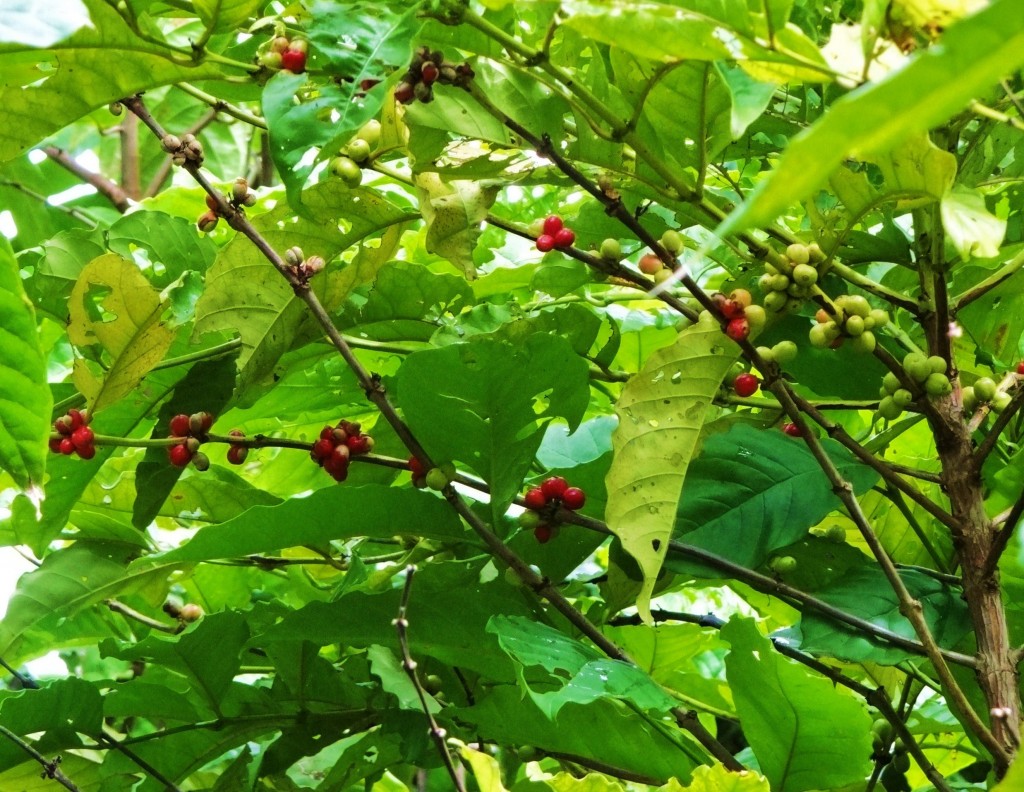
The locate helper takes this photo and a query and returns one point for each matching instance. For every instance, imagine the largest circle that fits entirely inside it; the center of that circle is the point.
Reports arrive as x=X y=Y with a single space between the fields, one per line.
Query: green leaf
x=64 y=257
x=661 y=412
x=244 y=294
x=972 y=229
x=44 y=90
x=589 y=675
x=865 y=593
x=173 y=245
x=370 y=510
x=454 y=212
x=221 y=15
x=974 y=55
x=753 y=491
x=780 y=706
x=481 y=403
x=114 y=308
x=25 y=399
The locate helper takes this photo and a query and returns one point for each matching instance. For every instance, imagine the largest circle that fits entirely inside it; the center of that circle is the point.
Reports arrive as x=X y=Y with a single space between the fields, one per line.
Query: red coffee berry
x=405 y=92
x=76 y=418
x=341 y=453
x=738 y=329
x=211 y=203
x=573 y=498
x=552 y=225
x=564 y=238
x=792 y=430
x=82 y=437
x=322 y=449
x=180 y=426
x=1020 y=368
x=367 y=84
x=554 y=487
x=746 y=384
x=179 y=455
x=55 y=444
x=418 y=471
x=63 y=425
x=543 y=533
x=294 y=61
x=731 y=309
x=237 y=454
x=336 y=467
x=545 y=242
x=66 y=446
x=429 y=72
x=87 y=452
x=359 y=444
x=535 y=499
x=650 y=264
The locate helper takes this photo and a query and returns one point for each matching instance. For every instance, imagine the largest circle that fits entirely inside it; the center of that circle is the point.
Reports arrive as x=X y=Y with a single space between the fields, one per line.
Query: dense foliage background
x=793 y=562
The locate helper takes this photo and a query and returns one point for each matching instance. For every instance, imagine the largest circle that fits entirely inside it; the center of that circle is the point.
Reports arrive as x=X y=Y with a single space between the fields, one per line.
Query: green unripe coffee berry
x=528 y=520
x=883 y=729
x=805 y=275
x=774 y=301
x=880 y=317
x=938 y=385
x=793 y=305
x=358 y=149
x=672 y=241
x=818 y=336
x=764 y=283
x=985 y=389
x=798 y=254
x=436 y=479
x=370 y=132
x=755 y=316
x=1001 y=401
x=854 y=326
x=901 y=762
x=888 y=409
x=798 y=290
x=611 y=250
x=891 y=382
x=865 y=342
x=836 y=534
x=903 y=398
x=970 y=399
x=347 y=170
x=855 y=305
x=766 y=354
x=782 y=564
x=779 y=282
x=785 y=352
x=938 y=364
x=917 y=366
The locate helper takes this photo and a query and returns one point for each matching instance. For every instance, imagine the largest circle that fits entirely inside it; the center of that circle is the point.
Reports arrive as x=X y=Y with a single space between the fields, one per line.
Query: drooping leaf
x=661 y=412
x=751 y=492
x=114 y=308
x=780 y=705
x=484 y=403
x=975 y=53
x=25 y=399
x=454 y=212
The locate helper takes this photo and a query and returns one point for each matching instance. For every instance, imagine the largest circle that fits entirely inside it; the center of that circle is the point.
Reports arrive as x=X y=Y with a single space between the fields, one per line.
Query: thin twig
x=141 y=618
x=437 y=734
x=51 y=767
x=104 y=186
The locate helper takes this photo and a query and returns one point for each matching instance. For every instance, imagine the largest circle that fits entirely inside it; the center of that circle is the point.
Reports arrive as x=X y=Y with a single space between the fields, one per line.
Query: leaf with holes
x=661 y=412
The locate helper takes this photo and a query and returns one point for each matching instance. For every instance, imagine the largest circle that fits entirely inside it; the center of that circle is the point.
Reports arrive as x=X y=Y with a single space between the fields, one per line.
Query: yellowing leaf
x=453 y=212
x=485 y=769
x=114 y=307
x=661 y=412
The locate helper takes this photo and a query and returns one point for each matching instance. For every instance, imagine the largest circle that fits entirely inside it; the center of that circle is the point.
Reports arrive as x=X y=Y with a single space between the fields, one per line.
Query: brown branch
x=104 y=186
x=51 y=767
x=164 y=170
x=131 y=613
x=129 y=134
x=437 y=734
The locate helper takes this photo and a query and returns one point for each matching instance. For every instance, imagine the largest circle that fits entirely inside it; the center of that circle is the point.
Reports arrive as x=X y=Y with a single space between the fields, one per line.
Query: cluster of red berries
x=426 y=68
x=337 y=445
x=237 y=452
x=554 y=234
x=543 y=503
x=191 y=429
x=286 y=54
x=792 y=430
x=75 y=436
x=735 y=308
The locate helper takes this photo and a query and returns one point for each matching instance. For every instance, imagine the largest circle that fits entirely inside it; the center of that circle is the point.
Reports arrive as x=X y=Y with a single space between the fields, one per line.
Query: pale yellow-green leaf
x=591 y=782
x=661 y=412
x=971 y=228
x=454 y=212
x=485 y=769
x=114 y=307
x=715 y=778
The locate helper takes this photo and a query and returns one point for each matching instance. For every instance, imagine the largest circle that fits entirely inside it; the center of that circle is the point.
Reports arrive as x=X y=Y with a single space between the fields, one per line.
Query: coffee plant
x=514 y=396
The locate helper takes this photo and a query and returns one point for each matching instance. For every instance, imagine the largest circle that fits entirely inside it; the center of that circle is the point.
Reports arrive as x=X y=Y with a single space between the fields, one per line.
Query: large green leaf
x=973 y=55
x=661 y=412
x=370 y=510
x=221 y=15
x=244 y=294
x=24 y=395
x=588 y=675
x=95 y=66
x=753 y=491
x=454 y=212
x=780 y=705
x=485 y=403
x=114 y=309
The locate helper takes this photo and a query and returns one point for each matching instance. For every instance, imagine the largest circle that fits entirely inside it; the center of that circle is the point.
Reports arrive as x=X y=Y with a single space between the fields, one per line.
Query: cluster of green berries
x=927 y=373
x=337 y=445
x=786 y=287
x=986 y=391
x=542 y=505
x=553 y=234
x=782 y=353
x=436 y=478
x=651 y=264
x=239 y=196
x=74 y=435
x=782 y=565
x=426 y=68
x=347 y=166
x=285 y=53
x=854 y=318
x=192 y=431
